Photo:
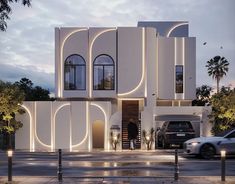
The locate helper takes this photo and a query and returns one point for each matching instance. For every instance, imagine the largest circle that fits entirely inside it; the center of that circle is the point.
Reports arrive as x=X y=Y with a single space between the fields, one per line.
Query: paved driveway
x=158 y=163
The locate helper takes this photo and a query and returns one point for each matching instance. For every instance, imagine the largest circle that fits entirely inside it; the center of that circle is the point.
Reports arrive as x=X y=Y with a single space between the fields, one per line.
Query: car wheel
x=159 y=143
x=207 y=151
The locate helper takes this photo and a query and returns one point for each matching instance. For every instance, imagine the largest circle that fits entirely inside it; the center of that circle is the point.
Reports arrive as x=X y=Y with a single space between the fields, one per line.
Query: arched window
x=103 y=73
x=74 y=73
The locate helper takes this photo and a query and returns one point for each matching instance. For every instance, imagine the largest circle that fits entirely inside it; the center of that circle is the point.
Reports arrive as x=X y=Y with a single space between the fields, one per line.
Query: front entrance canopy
x=177 y=117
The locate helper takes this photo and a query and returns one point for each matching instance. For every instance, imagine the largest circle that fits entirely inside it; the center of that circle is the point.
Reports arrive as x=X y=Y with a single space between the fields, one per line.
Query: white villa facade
x=105 y=76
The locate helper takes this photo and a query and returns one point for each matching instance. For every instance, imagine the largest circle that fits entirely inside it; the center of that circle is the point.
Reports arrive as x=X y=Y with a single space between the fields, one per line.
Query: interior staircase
x=130 y=109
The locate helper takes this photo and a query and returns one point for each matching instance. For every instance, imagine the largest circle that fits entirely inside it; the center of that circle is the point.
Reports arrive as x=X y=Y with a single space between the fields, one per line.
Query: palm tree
x=217 y=67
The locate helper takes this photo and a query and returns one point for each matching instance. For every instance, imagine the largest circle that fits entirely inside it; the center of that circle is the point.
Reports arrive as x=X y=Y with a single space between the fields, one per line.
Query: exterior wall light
x=148 y=138
x=115 y=136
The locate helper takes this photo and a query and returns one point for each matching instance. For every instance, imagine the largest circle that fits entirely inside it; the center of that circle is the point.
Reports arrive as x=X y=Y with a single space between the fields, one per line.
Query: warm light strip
x=87 y=124
x=157 y=73
x=143 y=67
x=31 y=138
x=35 y=128
x=183 y=56
x=175 y=54
x=52 y=135
x=54 y=122
x=174 y=27
x=106 y=122
x=130 y=99
x=90 y=58
x=145 y=70
x=70 y=128
x=60 y=83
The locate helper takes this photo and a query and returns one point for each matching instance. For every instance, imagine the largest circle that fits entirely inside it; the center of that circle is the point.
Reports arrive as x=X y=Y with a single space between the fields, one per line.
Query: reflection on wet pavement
x=108 y=164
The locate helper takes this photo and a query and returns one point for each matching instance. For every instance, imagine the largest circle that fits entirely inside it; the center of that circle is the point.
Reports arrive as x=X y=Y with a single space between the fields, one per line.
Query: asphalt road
x=158 y=163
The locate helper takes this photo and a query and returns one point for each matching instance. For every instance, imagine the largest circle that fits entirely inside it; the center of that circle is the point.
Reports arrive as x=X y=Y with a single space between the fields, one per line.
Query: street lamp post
x=9 y=155
x=176 y=176
x=59 y=171
x=223 y=157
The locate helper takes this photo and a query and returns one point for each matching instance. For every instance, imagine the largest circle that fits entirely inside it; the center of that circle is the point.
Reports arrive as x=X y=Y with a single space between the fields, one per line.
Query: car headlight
x=194 y=143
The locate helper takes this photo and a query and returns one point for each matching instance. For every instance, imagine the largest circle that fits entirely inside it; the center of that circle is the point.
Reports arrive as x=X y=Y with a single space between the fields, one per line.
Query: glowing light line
x=106 y=121
x=35 y=121
x=174 y=27
x=175 y=59
x=90 y=55
x=143 y=67
x=54 y=121
x=183 y=53
x=87 y=124
x=31 y=141
x=60 y=83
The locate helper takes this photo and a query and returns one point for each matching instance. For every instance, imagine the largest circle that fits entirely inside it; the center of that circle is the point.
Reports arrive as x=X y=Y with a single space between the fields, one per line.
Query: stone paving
x=119 y=180
x=124 y=168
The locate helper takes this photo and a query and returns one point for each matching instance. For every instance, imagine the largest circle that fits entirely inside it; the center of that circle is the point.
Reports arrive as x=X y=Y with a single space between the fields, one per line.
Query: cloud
x=15 y=73
x=29 y=40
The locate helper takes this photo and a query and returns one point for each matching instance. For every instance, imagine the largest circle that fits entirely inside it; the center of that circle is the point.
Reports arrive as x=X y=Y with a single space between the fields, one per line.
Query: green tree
x=11 y=98
x=202 y=95
x=5 y=10
x=32 y=93
x=217 y=67
x=223 y=110
x=40 y=94
x=26 y=85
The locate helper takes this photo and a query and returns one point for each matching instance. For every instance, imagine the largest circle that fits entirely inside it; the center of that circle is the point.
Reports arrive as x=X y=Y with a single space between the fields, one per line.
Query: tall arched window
x=74 y=73
x=103 y=73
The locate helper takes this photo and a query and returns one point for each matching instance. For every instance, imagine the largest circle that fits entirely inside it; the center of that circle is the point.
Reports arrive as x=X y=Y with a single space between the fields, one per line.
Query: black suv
x=174 y=133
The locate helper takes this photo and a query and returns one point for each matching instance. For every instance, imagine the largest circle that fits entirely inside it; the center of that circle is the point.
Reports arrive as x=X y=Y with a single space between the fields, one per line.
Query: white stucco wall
x=61 y=36
x=77 y=43
x=172 y=52
x=166 y=71
x=103 y=41
x=190 y=68
x=42 y=124
x=131 y=51
x=61 y=125
x=151 y=68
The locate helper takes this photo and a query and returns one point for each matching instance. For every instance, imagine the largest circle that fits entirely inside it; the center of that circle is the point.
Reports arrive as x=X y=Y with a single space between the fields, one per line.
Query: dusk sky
x=27 y=47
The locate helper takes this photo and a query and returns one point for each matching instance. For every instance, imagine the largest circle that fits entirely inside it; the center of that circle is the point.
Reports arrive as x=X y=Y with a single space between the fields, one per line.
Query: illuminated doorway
x=98 y=135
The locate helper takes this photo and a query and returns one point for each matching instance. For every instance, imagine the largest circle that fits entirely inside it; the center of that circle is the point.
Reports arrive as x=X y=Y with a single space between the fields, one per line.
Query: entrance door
x=98 y=134
x=130 y=110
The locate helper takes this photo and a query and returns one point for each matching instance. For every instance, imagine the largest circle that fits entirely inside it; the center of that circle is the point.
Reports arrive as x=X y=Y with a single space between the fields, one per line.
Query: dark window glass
x=179 y=124
x=74 y=73
x=232 y=135
x=103 y=73
x=179 y=79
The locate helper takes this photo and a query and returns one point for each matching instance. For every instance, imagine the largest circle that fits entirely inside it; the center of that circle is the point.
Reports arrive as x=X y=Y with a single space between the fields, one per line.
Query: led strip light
x=174 y=27
x=31 y=137
x=60 y=86
x=143 y=67
x=106 y=121
x=90 y=58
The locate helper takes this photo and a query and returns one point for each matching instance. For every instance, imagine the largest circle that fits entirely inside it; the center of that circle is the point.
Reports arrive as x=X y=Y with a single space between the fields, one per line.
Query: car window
x=232 y=135
x=180 y=124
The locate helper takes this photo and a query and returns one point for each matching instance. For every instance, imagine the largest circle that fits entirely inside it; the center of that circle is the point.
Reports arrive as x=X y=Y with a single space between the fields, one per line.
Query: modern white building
x=105 y=76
